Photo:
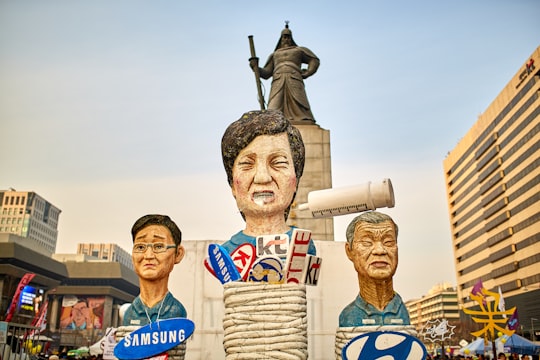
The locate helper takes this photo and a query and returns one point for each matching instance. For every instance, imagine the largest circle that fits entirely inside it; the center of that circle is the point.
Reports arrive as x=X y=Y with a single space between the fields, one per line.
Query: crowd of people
x=500 y=356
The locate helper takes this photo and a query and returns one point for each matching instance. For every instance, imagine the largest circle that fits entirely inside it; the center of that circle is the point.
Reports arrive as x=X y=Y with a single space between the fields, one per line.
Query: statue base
x=317 y=176
x=265 y=321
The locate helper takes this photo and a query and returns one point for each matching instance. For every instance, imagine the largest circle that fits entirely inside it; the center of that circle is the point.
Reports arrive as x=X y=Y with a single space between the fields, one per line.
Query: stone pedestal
x=317 y=176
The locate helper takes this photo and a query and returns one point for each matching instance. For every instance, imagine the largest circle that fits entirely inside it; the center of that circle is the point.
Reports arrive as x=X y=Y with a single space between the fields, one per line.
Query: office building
x=28 y=215
x=440 y=303
x=493 y=189
x=429 y=312
x=63 y=281
x=109 y=252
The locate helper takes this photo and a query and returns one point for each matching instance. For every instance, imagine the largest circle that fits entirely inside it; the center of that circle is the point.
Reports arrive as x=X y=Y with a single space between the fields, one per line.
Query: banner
x=24 y=281
x=502 y=305
x=39 y=319
x=477 y=288
x=82 y=313
x=513 y=322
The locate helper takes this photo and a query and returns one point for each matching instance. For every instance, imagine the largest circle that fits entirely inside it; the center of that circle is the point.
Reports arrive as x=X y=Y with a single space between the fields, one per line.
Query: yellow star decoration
x=493 y=320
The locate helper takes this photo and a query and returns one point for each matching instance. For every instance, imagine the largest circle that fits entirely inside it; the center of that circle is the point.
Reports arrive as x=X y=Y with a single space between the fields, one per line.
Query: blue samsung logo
x=222 y=264
x=384 y=344
x=154 y=339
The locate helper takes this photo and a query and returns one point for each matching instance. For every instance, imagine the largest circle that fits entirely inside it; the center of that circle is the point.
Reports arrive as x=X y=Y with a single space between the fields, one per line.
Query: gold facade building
x=493 y=190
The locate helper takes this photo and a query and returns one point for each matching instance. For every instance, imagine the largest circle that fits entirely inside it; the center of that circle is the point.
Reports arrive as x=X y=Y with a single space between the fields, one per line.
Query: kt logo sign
x=384 y=344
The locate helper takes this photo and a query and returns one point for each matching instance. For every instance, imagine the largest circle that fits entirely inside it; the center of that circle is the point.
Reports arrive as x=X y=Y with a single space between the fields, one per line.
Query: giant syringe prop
x=350 y=199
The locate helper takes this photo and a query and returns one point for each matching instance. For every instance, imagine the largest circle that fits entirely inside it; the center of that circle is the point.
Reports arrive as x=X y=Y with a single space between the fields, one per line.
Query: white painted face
x=264 y=179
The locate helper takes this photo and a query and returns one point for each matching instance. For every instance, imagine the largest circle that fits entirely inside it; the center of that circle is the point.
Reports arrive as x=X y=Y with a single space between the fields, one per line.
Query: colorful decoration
x=273 y=260
x=492 y=318
x=437 y=330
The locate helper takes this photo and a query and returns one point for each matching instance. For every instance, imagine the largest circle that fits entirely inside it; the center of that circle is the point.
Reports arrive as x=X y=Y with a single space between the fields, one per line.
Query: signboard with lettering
x=524 y=74
x=296 y=258
x=222 y=264
x=154 y=338
x=242 y=257
x=273 y=245
x=312 y=269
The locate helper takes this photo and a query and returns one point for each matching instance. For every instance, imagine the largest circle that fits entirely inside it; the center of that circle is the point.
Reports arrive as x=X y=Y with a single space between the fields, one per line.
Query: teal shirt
x=361 y=313
x=170 y=308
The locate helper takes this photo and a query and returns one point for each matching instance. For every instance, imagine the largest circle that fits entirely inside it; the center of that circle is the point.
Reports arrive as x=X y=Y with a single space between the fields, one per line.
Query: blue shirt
x=240 y=238
x=136 y=313
x=72 y=326
x=361 y=313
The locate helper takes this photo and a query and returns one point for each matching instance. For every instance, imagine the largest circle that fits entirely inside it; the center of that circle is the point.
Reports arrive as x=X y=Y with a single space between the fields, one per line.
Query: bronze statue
x=284 y=65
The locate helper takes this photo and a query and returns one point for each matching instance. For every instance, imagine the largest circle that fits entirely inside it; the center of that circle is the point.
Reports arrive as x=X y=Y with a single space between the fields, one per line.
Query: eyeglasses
x=156 y=247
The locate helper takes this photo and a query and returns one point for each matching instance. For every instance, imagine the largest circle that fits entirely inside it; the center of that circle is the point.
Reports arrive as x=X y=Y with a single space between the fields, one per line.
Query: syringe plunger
x=352 y=199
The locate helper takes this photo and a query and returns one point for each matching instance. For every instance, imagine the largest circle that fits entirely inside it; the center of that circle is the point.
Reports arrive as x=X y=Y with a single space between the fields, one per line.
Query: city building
x=428 y=312
x=440 y=303
x=493 y=191
x=109 y=252
x=28 y=215
x=63 y=281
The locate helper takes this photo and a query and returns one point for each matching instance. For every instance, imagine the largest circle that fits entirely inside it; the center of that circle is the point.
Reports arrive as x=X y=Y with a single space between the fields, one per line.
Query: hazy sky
x=114 y=109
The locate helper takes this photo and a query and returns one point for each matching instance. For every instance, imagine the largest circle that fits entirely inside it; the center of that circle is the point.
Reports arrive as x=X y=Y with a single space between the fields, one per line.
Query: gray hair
x=372 y=217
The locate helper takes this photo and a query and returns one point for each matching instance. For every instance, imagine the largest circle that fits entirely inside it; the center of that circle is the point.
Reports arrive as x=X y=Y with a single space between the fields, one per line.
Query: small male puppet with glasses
x=156 y=249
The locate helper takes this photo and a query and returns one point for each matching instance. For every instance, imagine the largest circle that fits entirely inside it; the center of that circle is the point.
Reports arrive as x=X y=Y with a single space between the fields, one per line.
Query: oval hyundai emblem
x=154 y=338
x=378 y=344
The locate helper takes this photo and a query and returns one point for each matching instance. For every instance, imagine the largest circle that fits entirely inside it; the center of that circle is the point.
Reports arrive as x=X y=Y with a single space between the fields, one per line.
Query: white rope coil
x=346 y=334
x=176 y=353
x=265 y=321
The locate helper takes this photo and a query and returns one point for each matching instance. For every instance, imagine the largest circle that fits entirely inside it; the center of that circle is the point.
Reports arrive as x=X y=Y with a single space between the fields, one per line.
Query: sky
x=115 y=109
